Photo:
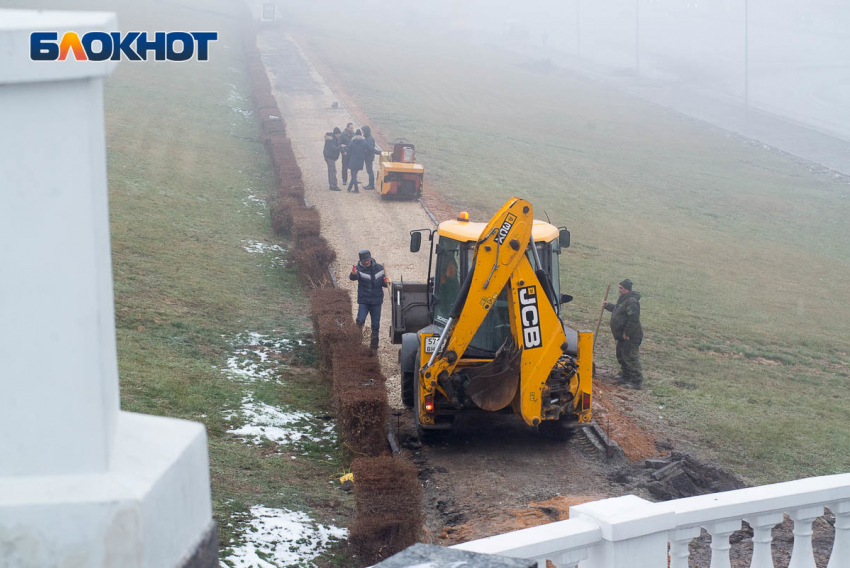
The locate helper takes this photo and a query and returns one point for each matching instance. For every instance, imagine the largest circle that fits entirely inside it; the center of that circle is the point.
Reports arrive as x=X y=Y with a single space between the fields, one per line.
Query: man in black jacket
x=357 y=152
x=344 y=141
x=371 y=282
x=370 y=155
x=331 y=153
x=626 y=328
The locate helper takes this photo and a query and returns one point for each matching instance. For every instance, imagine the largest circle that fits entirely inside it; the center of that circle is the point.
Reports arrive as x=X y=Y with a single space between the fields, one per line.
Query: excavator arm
x=521 y=367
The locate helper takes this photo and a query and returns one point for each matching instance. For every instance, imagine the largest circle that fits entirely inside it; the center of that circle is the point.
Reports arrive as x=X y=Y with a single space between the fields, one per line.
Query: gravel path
x=350 y=222
x=492 y=464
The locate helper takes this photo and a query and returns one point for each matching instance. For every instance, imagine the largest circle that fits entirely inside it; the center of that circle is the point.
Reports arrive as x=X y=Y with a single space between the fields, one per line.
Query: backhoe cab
x=485 y=334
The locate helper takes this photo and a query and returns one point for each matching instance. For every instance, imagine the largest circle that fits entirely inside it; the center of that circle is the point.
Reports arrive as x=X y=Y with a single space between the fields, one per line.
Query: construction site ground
x=491 y=474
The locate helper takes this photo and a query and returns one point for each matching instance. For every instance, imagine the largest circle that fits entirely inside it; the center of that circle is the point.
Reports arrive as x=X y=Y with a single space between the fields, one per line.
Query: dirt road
x=484 y=478
x=350 y=222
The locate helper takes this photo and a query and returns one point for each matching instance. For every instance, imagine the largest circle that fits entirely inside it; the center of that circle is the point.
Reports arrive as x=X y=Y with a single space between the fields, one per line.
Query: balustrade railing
x=629 y=532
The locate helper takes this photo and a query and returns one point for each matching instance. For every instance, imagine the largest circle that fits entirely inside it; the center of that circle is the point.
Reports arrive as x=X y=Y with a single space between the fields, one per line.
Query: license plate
x=431 y=344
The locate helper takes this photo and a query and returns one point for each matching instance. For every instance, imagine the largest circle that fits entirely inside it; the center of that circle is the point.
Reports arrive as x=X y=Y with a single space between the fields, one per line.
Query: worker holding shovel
x=371 y=281
x=625 y=325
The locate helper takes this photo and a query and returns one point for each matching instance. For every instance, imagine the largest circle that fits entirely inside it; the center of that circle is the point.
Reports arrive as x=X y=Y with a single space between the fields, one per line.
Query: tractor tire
x=407 y=380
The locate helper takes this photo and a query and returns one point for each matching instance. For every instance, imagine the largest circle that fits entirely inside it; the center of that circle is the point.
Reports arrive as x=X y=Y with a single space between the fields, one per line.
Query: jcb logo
x=530 y=317
x=505 y=228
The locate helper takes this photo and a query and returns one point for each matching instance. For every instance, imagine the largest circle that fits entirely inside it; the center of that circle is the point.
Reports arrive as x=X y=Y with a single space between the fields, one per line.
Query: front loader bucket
x=493 y=386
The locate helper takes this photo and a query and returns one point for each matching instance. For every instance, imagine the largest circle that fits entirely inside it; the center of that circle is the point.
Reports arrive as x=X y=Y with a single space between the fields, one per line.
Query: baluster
x=762 y=537
x=840 y=557
x=720 y=546
x=680 y=541
x=802 y=555
x=571 y=558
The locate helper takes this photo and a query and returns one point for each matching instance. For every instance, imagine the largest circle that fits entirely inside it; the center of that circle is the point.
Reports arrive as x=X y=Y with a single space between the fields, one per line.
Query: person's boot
x=373 y=345
x=633 y=384
x=356 y=190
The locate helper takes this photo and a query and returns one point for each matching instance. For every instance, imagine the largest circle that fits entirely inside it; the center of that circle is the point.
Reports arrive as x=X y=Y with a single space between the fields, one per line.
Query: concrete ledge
x=625 y=517
x=16 y=27
x=150 y=509
x=205 y=553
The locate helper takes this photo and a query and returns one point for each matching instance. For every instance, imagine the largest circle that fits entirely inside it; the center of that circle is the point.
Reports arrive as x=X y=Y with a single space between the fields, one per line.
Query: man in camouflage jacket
x=625 y=325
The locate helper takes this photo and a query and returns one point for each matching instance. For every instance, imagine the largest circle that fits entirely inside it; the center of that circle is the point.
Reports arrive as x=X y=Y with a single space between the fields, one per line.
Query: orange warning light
x=463 y=216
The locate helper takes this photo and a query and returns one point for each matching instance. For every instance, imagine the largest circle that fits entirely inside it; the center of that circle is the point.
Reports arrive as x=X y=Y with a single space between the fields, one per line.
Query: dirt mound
x=678 y=475
x=610 y=404
x=536 y=513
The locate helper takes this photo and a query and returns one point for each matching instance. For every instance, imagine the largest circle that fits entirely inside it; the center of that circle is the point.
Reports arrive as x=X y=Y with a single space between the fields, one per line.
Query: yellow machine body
x=501 y=261
x=398 y=178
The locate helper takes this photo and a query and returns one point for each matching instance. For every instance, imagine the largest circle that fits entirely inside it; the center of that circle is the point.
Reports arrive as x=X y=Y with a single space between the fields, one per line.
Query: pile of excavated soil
x=536 y=513
x=610 y=405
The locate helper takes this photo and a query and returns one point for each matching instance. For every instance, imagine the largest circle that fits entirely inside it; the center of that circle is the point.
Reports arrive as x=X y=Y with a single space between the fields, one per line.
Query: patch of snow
x=275 y=252
x=235 y=100
x=262 y=248
x=253 y=199
x=256 y=356
x=244 y=112
x=280 y=537
x=284 y=427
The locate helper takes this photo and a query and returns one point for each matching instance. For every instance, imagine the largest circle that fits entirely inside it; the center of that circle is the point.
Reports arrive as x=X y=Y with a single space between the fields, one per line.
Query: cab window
x=447 y=279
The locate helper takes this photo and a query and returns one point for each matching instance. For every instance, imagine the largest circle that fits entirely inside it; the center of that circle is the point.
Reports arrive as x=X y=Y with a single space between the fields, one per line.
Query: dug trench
x=492 y=473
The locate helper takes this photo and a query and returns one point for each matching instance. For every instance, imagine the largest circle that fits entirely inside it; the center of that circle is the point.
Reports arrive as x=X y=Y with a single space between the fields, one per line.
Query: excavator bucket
x=493 y=386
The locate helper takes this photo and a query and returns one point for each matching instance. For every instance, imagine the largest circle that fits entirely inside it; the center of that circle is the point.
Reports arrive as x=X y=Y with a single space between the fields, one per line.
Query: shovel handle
x=602 y=311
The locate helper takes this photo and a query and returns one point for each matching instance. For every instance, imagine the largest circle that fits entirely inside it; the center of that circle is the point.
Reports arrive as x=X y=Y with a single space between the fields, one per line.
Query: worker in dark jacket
x=331 y=152
x=371 y=282
x=625 y=325
x=370 y=156
x=344 y=141
x=357 y=152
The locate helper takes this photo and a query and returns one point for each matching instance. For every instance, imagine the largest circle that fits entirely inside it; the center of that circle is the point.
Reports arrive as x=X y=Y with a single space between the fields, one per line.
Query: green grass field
x=741 y=255
x=188 y=177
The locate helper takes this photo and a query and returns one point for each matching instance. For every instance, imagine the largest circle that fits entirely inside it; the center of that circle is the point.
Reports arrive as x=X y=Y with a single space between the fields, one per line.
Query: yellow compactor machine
x=399 y=175
x=484 y=334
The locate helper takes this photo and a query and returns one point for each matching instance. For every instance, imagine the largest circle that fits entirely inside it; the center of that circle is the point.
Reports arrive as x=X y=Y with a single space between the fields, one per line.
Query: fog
x=787 y=57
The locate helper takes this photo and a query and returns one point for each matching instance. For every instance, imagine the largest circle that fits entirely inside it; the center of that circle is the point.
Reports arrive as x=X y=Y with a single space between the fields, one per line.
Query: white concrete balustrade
x=629 y=532
x=82 y=483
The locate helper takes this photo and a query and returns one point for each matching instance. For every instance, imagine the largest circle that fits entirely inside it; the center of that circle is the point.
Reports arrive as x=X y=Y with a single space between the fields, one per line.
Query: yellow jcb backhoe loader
x=484 y=334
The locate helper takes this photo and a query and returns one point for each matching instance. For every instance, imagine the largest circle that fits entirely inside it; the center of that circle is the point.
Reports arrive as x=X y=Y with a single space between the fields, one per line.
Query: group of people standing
x=357 y=149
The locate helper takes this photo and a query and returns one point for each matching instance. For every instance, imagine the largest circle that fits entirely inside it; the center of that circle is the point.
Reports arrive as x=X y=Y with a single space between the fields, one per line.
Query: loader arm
x=540 y=334
x=496 y=255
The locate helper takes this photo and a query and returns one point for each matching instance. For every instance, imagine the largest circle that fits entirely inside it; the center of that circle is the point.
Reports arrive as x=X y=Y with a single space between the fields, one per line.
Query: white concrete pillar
x=634 y=532
x=81 y=483
x=59 y=387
